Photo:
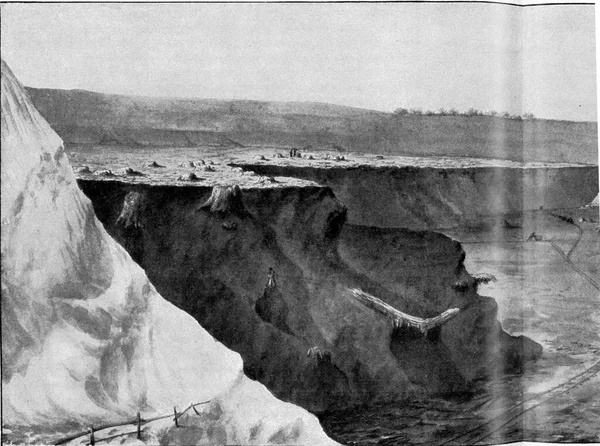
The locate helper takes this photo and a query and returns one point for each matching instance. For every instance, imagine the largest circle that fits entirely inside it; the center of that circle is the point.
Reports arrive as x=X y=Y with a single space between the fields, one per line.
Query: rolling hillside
x=84 y=117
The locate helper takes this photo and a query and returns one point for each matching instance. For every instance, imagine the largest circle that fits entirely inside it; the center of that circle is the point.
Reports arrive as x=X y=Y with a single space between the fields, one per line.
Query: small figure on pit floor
x=533 y=236
x=271 y=279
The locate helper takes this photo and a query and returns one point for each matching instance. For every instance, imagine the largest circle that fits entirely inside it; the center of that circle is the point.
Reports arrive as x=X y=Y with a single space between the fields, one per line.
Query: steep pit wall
x=213 y=260
x=429 y=198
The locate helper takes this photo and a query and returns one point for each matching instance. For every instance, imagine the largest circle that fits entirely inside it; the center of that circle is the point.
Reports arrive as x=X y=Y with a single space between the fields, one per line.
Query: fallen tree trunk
x=399 y=318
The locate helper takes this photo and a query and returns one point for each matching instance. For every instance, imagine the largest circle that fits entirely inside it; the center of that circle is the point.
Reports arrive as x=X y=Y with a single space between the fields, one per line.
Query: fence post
x=175 y=412
x=195 y=410
x=139 y=426
x=92 y=440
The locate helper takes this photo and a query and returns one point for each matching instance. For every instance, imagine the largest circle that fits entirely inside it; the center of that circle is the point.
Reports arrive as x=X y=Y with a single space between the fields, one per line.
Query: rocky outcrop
x=86 y=339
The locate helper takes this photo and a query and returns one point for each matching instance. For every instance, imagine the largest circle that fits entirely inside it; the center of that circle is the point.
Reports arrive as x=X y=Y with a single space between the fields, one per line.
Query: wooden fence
x=138 y=421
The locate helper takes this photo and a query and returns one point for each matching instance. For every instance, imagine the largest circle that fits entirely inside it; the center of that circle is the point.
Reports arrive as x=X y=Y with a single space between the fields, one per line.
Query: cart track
x=567 y=257
x=485 y=430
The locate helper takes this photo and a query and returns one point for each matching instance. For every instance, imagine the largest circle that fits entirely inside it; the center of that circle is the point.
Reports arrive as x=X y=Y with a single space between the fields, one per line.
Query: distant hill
x=84 y=117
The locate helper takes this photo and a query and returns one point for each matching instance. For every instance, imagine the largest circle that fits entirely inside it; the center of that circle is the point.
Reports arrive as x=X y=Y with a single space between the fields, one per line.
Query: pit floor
x=539 y=295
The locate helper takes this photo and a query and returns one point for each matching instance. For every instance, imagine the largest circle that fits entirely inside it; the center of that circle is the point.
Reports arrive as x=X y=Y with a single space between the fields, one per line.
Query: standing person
x=271 y=279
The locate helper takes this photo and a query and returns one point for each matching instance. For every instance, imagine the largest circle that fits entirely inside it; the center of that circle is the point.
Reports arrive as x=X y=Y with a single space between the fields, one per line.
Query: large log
x=398 y=317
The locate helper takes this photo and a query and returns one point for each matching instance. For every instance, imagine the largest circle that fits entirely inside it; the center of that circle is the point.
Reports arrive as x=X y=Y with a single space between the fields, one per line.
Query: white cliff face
x=85 y=336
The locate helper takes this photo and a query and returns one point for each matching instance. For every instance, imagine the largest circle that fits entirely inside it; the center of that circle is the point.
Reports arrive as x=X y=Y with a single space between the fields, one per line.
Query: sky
x=538 y=60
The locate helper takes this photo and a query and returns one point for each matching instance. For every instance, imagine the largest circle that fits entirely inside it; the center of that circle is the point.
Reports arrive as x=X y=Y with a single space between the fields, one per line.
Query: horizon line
x=411 y=110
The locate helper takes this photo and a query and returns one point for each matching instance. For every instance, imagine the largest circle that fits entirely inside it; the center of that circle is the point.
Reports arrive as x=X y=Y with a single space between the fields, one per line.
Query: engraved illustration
x=299 y=223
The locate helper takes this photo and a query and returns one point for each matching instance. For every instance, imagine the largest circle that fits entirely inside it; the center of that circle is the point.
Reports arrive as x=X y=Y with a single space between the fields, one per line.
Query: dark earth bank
x=267 y=271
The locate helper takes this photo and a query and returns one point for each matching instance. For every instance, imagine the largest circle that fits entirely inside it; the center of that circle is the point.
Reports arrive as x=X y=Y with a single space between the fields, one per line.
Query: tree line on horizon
x=454 y=112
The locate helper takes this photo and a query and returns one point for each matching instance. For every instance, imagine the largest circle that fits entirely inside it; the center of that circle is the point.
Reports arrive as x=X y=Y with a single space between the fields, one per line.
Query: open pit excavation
x=265 y=264
x=259 y=248
x=274 y=257
x=304 y=223
x=89 y=348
